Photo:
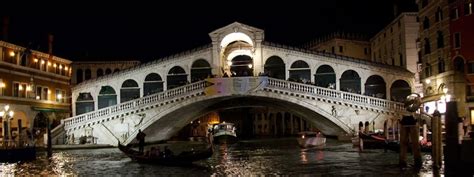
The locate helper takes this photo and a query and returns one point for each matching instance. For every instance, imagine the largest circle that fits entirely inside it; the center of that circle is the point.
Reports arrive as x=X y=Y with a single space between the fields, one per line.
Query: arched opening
x=399 y=90
x=129 y=91
x=200 y=70
x=300 y=72
x=116 y=70
x=107 y=97
x=88 y=74
x=237 y=36
x=84 y=103
x=108 y=71
x=242 y=65
x=325 y=77
x=100 y=72
x=153 y=84
x=275 y=68
x=375 y=86
x=350 y=82
x=459 y=64
x=176 y=77
x=79 y=76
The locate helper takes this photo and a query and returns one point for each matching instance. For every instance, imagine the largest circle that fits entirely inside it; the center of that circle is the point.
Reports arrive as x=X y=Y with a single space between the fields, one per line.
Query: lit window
x=468 y=8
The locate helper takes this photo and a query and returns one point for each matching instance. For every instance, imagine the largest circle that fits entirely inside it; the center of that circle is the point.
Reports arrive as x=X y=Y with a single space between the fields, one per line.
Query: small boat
x=182 y=159
x=311 y=139
x=224 y=133
x=370 y=141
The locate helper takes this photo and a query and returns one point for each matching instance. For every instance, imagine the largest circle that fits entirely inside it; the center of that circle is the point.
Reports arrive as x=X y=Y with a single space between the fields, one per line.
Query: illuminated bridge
x=238 y=69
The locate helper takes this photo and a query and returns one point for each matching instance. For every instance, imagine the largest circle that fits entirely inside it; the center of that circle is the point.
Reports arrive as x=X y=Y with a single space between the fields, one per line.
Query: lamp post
x=6 y=114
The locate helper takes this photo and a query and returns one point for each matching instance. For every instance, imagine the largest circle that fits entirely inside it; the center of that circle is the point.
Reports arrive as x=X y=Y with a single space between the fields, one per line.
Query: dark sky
x=150 y=31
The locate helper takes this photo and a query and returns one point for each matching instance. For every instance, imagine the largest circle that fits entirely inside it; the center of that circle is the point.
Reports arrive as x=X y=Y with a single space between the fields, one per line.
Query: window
x=60 y=96
x=468 y=8
x=427 y=46
x=2 y=87
x=441 y=66
x=470 y=67
x=366 y=51
x=454 y=14
x=88 y=74
x=426 y=23
x=333 y=50
x=457 y=40
x=439 y=15
x=341 y=49
x=440 y=40
x=401 y=60
x=19 y=89
x=42 y=92
x=79 y=77
x=427 y=70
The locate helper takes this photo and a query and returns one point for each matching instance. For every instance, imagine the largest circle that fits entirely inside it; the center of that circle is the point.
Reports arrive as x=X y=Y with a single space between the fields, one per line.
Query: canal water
x=273 y=157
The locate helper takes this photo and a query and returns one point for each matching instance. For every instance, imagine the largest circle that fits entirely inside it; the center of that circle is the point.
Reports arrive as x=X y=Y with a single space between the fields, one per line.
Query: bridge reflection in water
x=252 y=157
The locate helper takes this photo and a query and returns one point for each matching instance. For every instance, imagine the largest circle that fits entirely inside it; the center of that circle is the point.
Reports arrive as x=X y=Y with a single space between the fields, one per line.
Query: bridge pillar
x=283 y=123
x=292 y=124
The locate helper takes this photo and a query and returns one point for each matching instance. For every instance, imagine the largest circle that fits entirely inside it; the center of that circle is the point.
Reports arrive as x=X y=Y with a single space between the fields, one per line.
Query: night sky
x=148 y=31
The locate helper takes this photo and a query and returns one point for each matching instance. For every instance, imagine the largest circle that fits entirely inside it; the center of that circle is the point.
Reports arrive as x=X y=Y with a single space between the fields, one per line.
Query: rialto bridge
x=238 y=69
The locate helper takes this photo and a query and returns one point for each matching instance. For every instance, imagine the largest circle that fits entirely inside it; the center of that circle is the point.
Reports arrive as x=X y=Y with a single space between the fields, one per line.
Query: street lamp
x=6 y=115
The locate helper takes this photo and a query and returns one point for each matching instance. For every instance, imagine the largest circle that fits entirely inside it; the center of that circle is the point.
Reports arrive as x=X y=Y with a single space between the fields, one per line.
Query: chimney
x=6 y=21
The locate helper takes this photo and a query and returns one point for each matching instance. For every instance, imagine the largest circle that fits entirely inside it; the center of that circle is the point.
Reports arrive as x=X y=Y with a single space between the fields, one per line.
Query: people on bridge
x=141 y=140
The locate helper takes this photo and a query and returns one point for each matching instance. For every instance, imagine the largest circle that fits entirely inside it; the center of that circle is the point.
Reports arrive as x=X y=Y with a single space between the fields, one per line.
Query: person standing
x=141 y=140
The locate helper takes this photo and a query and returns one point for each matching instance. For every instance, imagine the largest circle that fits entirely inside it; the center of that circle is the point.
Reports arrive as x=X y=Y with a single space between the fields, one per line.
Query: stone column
x=292 y=124
x=283 y=123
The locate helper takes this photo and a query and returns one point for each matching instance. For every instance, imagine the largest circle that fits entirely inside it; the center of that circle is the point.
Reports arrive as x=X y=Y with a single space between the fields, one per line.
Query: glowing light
x=42 y=61
x=2 y=85
x=448 y=97
x=427 y=81
x=2 y=113
x=54 y=65
x=37 y=97
x=11 y=113
x=250 y=65
x=445 y=90
x=65 y=68
x=60 y=96
x=49 y=92
x=49 y=63
x=12 y=53
x=60 y=66
x=7 y=107
x=35 y=60
x=20 y=87
x=229 y=63
x=239 y=52
x=237 y=36
x=28 y=88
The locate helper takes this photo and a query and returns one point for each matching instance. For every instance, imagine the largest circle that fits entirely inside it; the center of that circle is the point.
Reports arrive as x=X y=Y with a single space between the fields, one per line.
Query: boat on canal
x=224 y=133
x=311 y=139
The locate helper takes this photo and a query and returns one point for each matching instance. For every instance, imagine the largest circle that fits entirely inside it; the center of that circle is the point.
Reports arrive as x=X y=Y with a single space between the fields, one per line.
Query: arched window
x=350 y=82
x=459 y=64
x=399 y=90
x=439 y=15
x=129 y=91
x=375 y=86
x=79 y=77
x=88 y=74
x=107 y=97
x=153 y=84
x=427 y=70
x=100 y=72
x=441 y=66
x=84 y=103
x=325 y=77
x=427 y=46
x=200 y=70
x=176 y=77
x=108 y=71
x=440 y=40
x=116 y=70
x=426 y=23
x=275 y=67
x=300 y=72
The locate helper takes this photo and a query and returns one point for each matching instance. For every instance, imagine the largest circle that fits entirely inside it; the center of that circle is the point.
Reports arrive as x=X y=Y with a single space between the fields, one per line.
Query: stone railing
x=133 y=104
x=335 y=95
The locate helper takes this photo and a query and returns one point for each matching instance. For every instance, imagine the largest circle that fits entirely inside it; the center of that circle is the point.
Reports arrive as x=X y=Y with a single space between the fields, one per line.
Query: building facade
x=35 y=85
x=349 y=45
x=461 y=27
x=86 y=70
x=445 y=76
x=396 y=45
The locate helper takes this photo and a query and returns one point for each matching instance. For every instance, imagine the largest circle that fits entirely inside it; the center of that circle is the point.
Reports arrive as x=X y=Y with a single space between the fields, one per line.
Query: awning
x=431 y=98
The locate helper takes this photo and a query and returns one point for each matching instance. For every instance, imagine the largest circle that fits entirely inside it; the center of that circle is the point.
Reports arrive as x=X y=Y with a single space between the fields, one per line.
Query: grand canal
x=251 y=157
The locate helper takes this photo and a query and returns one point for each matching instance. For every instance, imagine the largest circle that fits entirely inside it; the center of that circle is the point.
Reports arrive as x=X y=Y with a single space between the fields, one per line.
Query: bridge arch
x=275 y=67
x=399 y=90
x=200 y=70
x=375 y=86
x=176 y=77
x=236 y=36
x=325 y=77
x=129 y=90
x=107 y=97
x=350 y=82
x=153 y=84
x=300 y=71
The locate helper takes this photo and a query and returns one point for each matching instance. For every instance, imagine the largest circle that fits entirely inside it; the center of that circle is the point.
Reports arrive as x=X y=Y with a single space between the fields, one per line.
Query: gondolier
x=141 y=140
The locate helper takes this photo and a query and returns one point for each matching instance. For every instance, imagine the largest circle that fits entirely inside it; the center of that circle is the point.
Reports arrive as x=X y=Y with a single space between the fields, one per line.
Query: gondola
x=182 y=159
x=395 y=146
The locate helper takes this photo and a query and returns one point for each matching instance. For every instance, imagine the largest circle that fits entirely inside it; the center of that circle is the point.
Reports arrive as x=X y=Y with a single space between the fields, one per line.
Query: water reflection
x=256 y=157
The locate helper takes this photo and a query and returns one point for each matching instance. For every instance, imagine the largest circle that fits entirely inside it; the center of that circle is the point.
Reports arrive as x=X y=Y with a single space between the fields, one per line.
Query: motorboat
x=224 y=133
